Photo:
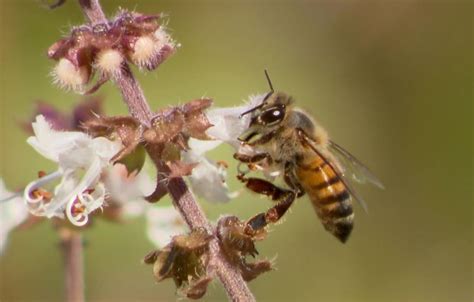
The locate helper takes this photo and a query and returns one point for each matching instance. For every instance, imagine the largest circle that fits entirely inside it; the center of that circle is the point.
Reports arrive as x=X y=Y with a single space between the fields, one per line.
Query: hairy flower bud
x=109 y=61
x=144 y=51
x=71 y=77
x=105 y=47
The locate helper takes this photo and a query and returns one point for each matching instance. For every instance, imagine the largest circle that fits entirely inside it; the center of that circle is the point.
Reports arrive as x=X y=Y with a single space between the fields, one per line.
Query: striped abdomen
x=329 y=196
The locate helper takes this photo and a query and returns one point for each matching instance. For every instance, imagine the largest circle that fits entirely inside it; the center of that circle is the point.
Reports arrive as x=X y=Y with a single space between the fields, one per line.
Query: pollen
x=223 y=164
x=109 y=61
x=77 y=208
x=144 y=51
x=42 y=194
x=70 y=77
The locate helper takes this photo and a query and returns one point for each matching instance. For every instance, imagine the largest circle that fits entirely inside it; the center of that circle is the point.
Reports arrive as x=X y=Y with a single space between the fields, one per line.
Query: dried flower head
x=237 y=244
x=184 y=260
x=170 y=135
x=133 y=37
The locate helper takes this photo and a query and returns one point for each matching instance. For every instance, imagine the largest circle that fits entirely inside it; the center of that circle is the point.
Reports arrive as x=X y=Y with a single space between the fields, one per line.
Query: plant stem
x=183 y=199
x=71 y=244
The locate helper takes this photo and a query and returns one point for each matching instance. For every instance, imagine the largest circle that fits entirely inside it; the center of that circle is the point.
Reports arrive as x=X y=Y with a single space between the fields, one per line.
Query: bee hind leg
x=273 y=214
x=284 y=199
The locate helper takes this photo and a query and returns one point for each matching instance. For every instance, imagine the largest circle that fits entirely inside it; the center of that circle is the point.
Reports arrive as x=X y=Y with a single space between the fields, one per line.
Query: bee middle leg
x=284 y=199
x=292 y=181
x=251 y=159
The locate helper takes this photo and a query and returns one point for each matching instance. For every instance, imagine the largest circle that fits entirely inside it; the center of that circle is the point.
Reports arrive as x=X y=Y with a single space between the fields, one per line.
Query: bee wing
x=332 y=162
x=352 y=167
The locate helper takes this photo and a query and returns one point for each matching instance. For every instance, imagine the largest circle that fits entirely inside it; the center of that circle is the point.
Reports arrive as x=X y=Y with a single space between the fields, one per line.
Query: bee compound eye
x=272 y=116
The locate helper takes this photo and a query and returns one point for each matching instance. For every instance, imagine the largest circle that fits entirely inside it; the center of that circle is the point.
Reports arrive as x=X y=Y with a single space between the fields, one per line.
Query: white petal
x=162 y=224
x=146 y=185
x=124 y=188
x=86 y=151
x=228 y=123
x=134 y=209
x=97 y=198
x=70 y=187
x=12 y=213
x=208 y=179
x=89 y=203
x=104 y=148
x=49 y=142
x=36 y=204
x=200 y=147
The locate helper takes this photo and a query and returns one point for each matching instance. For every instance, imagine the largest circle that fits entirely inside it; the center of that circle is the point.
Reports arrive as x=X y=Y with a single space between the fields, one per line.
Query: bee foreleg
x=250 y=161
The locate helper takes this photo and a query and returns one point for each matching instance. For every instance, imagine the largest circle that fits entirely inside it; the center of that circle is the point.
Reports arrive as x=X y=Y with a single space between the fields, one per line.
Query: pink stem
x=184 y=201
x=74 y=264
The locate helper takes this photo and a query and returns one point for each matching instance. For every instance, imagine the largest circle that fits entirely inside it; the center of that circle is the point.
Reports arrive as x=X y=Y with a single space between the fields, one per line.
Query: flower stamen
x=76 y=210
x=35 y=196
x=79 y=207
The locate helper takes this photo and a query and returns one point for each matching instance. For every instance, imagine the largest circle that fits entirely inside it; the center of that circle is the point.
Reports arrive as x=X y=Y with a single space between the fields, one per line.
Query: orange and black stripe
x=329 y=196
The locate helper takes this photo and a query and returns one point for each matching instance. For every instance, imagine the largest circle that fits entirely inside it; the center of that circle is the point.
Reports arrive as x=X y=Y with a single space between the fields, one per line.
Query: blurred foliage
x=390 y=80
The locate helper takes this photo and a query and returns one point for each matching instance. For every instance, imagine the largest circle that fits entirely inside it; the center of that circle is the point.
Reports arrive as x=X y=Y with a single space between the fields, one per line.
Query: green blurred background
x=390 y=80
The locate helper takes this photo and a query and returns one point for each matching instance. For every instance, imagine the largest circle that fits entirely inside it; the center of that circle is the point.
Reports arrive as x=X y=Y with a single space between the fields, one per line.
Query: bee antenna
x=269 y=81
x=264 y=99
x=251 y=110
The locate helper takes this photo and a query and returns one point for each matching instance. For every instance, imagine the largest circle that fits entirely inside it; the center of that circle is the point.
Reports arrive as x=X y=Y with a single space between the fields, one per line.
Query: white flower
x=12 y=213
x=162 y=224
x=124 y=187
x=228 y=122
x=208 y=177
x=81 y=160
x=128 y=190
x=86 y=179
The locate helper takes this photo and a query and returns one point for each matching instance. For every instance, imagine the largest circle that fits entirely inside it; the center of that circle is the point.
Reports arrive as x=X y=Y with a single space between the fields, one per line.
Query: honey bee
x=284 y=139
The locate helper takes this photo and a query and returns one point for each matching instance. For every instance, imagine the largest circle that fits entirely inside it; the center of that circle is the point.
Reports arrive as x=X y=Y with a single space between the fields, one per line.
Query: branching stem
x=183 y=199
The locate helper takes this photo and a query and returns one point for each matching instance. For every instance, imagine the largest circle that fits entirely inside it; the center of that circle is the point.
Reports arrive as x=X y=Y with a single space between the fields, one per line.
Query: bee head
x=267 y=116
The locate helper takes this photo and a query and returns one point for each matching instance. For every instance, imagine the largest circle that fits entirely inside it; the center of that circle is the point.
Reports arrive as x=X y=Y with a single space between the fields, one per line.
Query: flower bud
x=69 y=76
x=144 y=51
x=165 y=45
x=109 y=61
